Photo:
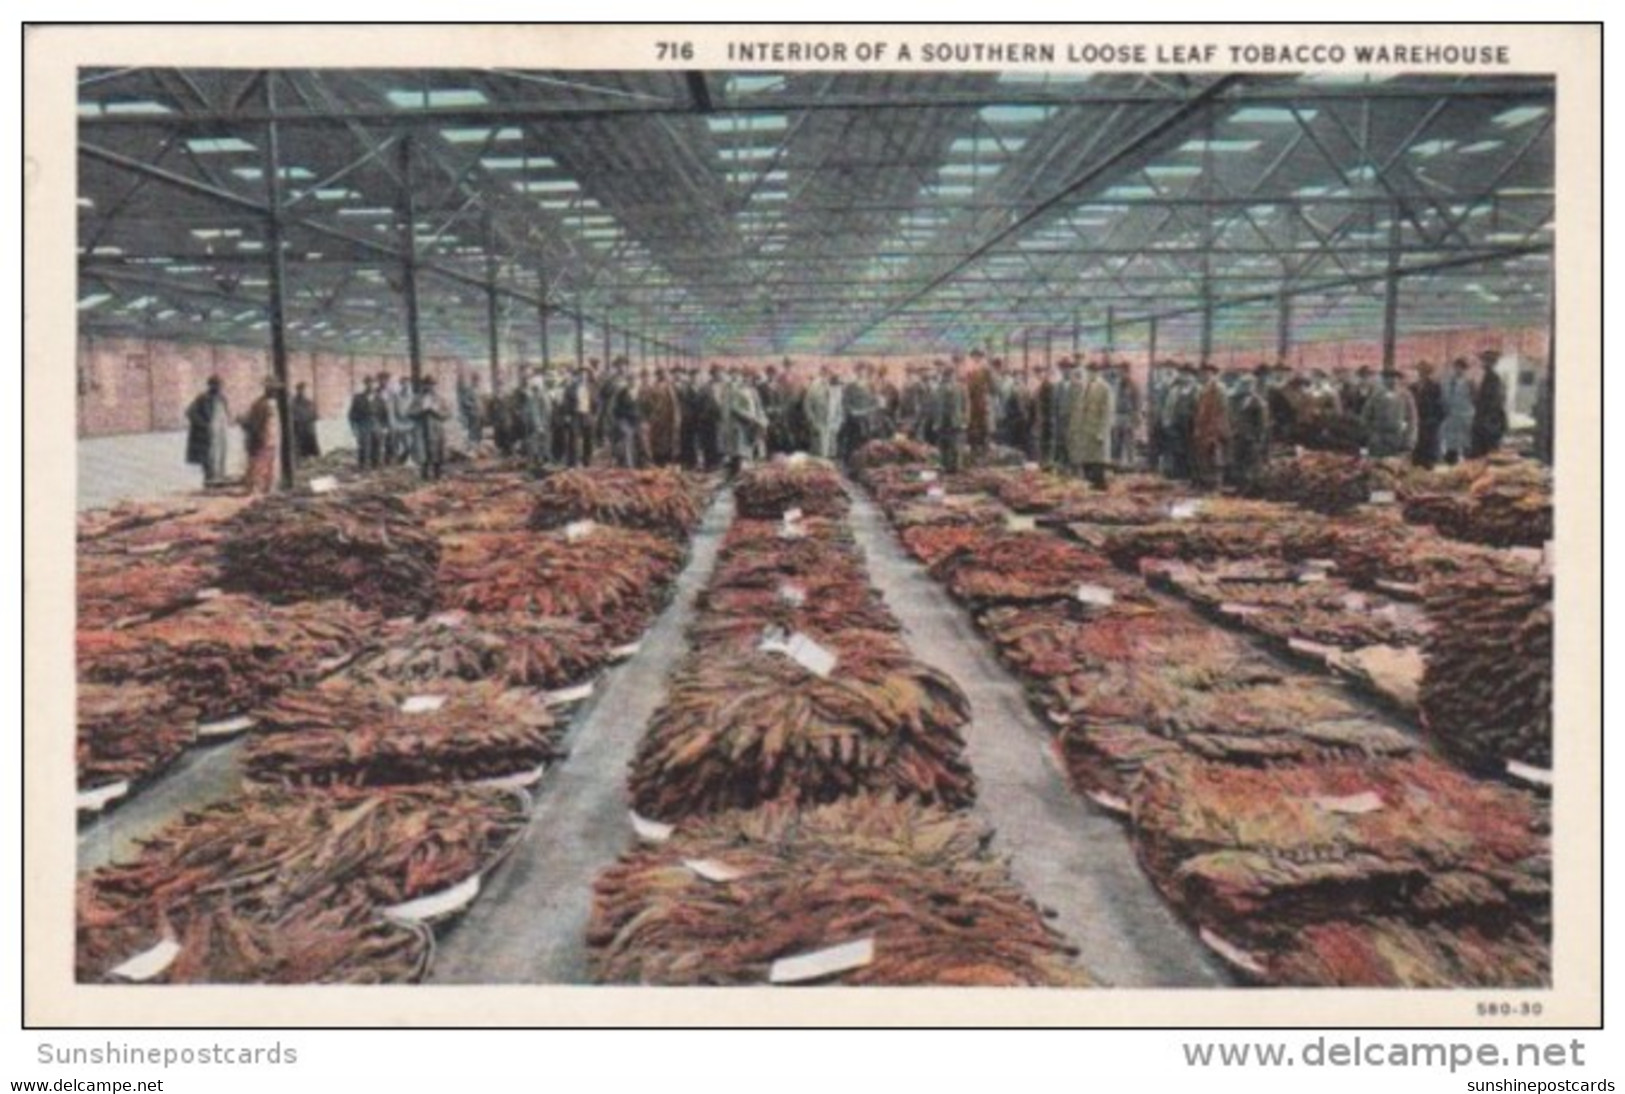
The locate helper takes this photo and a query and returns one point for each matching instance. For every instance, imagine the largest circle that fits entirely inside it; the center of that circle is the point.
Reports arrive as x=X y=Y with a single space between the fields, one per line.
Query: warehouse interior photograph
x=1030 y=528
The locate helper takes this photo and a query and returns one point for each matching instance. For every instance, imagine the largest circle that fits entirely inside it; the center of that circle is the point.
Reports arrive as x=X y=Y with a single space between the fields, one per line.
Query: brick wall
x=130 y=385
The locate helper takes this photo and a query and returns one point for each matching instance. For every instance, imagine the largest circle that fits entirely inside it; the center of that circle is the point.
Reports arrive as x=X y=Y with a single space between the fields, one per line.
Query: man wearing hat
x=1489 y=407
x=303 y=411
x=1127 y=426
x=825 y=413
x=911 y=403
x=1389 y=419
x=979 y=389
x=1210 y=431
x=262 y=438
x=361 y=426
x=208 y=429
x=1430 y=412
x=950 y=413
x=1089 y=422
x=1178 y=411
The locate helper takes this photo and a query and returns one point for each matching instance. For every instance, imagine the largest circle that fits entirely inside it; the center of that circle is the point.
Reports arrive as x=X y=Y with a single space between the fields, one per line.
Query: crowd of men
x=1210 y=427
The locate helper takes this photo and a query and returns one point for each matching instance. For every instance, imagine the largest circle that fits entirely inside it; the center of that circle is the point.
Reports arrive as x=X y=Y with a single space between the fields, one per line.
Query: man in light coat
x=825 y=413
x=1210 y=431
x=1091 y=415
x=950 y=416
x=1389 y=418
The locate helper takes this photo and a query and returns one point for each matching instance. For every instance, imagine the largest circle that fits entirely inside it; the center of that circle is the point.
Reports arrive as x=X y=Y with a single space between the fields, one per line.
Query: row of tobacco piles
x=1307 y=835
x=401 y=658
x=801 y=794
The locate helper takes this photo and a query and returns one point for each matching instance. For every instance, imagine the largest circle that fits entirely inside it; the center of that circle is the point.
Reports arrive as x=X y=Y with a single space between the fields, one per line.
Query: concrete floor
x=201 y=776
x=1069 y=856
x=529 y=925
x=153 y=465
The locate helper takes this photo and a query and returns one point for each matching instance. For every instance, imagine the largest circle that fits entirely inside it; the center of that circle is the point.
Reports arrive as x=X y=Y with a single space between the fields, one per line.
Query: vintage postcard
x=797 y=525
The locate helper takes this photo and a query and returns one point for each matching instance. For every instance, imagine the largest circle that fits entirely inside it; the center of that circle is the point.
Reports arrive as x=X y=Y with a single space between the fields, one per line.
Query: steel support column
x=1390 y=295
x=1151 y=341
x=581 y=340
x=1111 y=329
x=409 y=267
x=1283 y=328
x=278 y=283
x=493 y=308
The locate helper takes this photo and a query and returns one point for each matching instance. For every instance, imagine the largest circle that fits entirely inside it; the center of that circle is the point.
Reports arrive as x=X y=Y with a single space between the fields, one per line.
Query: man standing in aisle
x=384 y=418
x=1127 y=427
x=1210 y=431
x=825 y=413
x=578 y=419
x=1430 y=414
x=1389 y=419
x=1065 y=392
x=979 y=389
x=468 y=407
x=1090 y=417
x=429 y=414
x=861 y=410
x=1178 y=411
x=1250 y=413
x=538 y=408
x=1283 y=409
x=208 y=428
x=366 y=438
x=303 y=411
x=1489 y=408
x=1044 y=414
x=402 y=400
x=950 y=414
x=691 y=412
x=624 y=417
x=663 y=416
x=262 y=438
x=744 y=424
x=911 y=402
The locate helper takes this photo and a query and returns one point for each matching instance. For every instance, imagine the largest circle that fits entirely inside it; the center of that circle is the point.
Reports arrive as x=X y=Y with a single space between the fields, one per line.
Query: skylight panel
x=985 y=147
x=972 y=169
x=217 y=233
x=1429 y=149
x=414 y=98
x=370 y=211
x=748 y=152
x=214 y=146
x=1269 y=115
x=518 y=163
x=1015 y=115
x=107 y=251
x=760 y=83
x=94 y=300
x=1129 y=191
x=1518 y=115
x=479 y=135
x=547 y=186
x=1173 y=170
x=731 y=125
x=1346 y=77
x=1225 y=145
x=286 y=173
x=1480 y=147
x=134 y=106
x=1028 y=78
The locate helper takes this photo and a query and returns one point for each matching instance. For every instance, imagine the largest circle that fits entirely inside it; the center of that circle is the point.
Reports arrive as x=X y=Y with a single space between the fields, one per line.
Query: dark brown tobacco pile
x=1029 y=491
x=1326 y=482
x=534 y=651
x=614 y=577
x=739 y=729
x=1507 y=502
x=473 y=503
x=661 y=500
x=1258 y=855
x=1393 y=953
x=228 y=655
x=1487 y=686
x=275 y=886
x=154 y=527
x=768 y=491
x=354 y=734
x=117 y=589
x=918 y=882
x=1325 y=611
x=129 y=731
x=1022 y=567
x=811 y=605
x=364 y=547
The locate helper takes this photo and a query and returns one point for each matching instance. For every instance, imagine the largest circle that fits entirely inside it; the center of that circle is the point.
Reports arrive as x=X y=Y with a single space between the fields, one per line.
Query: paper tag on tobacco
x=323 y=484
x=793 y=595
x=227 y=728
x=650 y=831
x=1185 y=510
x=422 y=704
x=796 y=459
x=1383 y=497
x=936 y=493
x=791 y=516
x=578 y=530
x=1353 y=804
x=94 y=801
x=1529 y=773
x=928 y=476
x=565 y=696
x=821 y=963
x=810 y=655
x=450 y=619
x=1029 y=466
x=149 y=963
x=434 y=905
x=712 y=870
x=1015 y=523
x=208 y=594
x=1097 y=595
x=1309 y=577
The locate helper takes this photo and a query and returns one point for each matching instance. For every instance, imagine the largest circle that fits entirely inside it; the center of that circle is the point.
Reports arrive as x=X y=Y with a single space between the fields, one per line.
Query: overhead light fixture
x=1015 y=115
x=518 y=163
x=94 y=300
x=1269 y=115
